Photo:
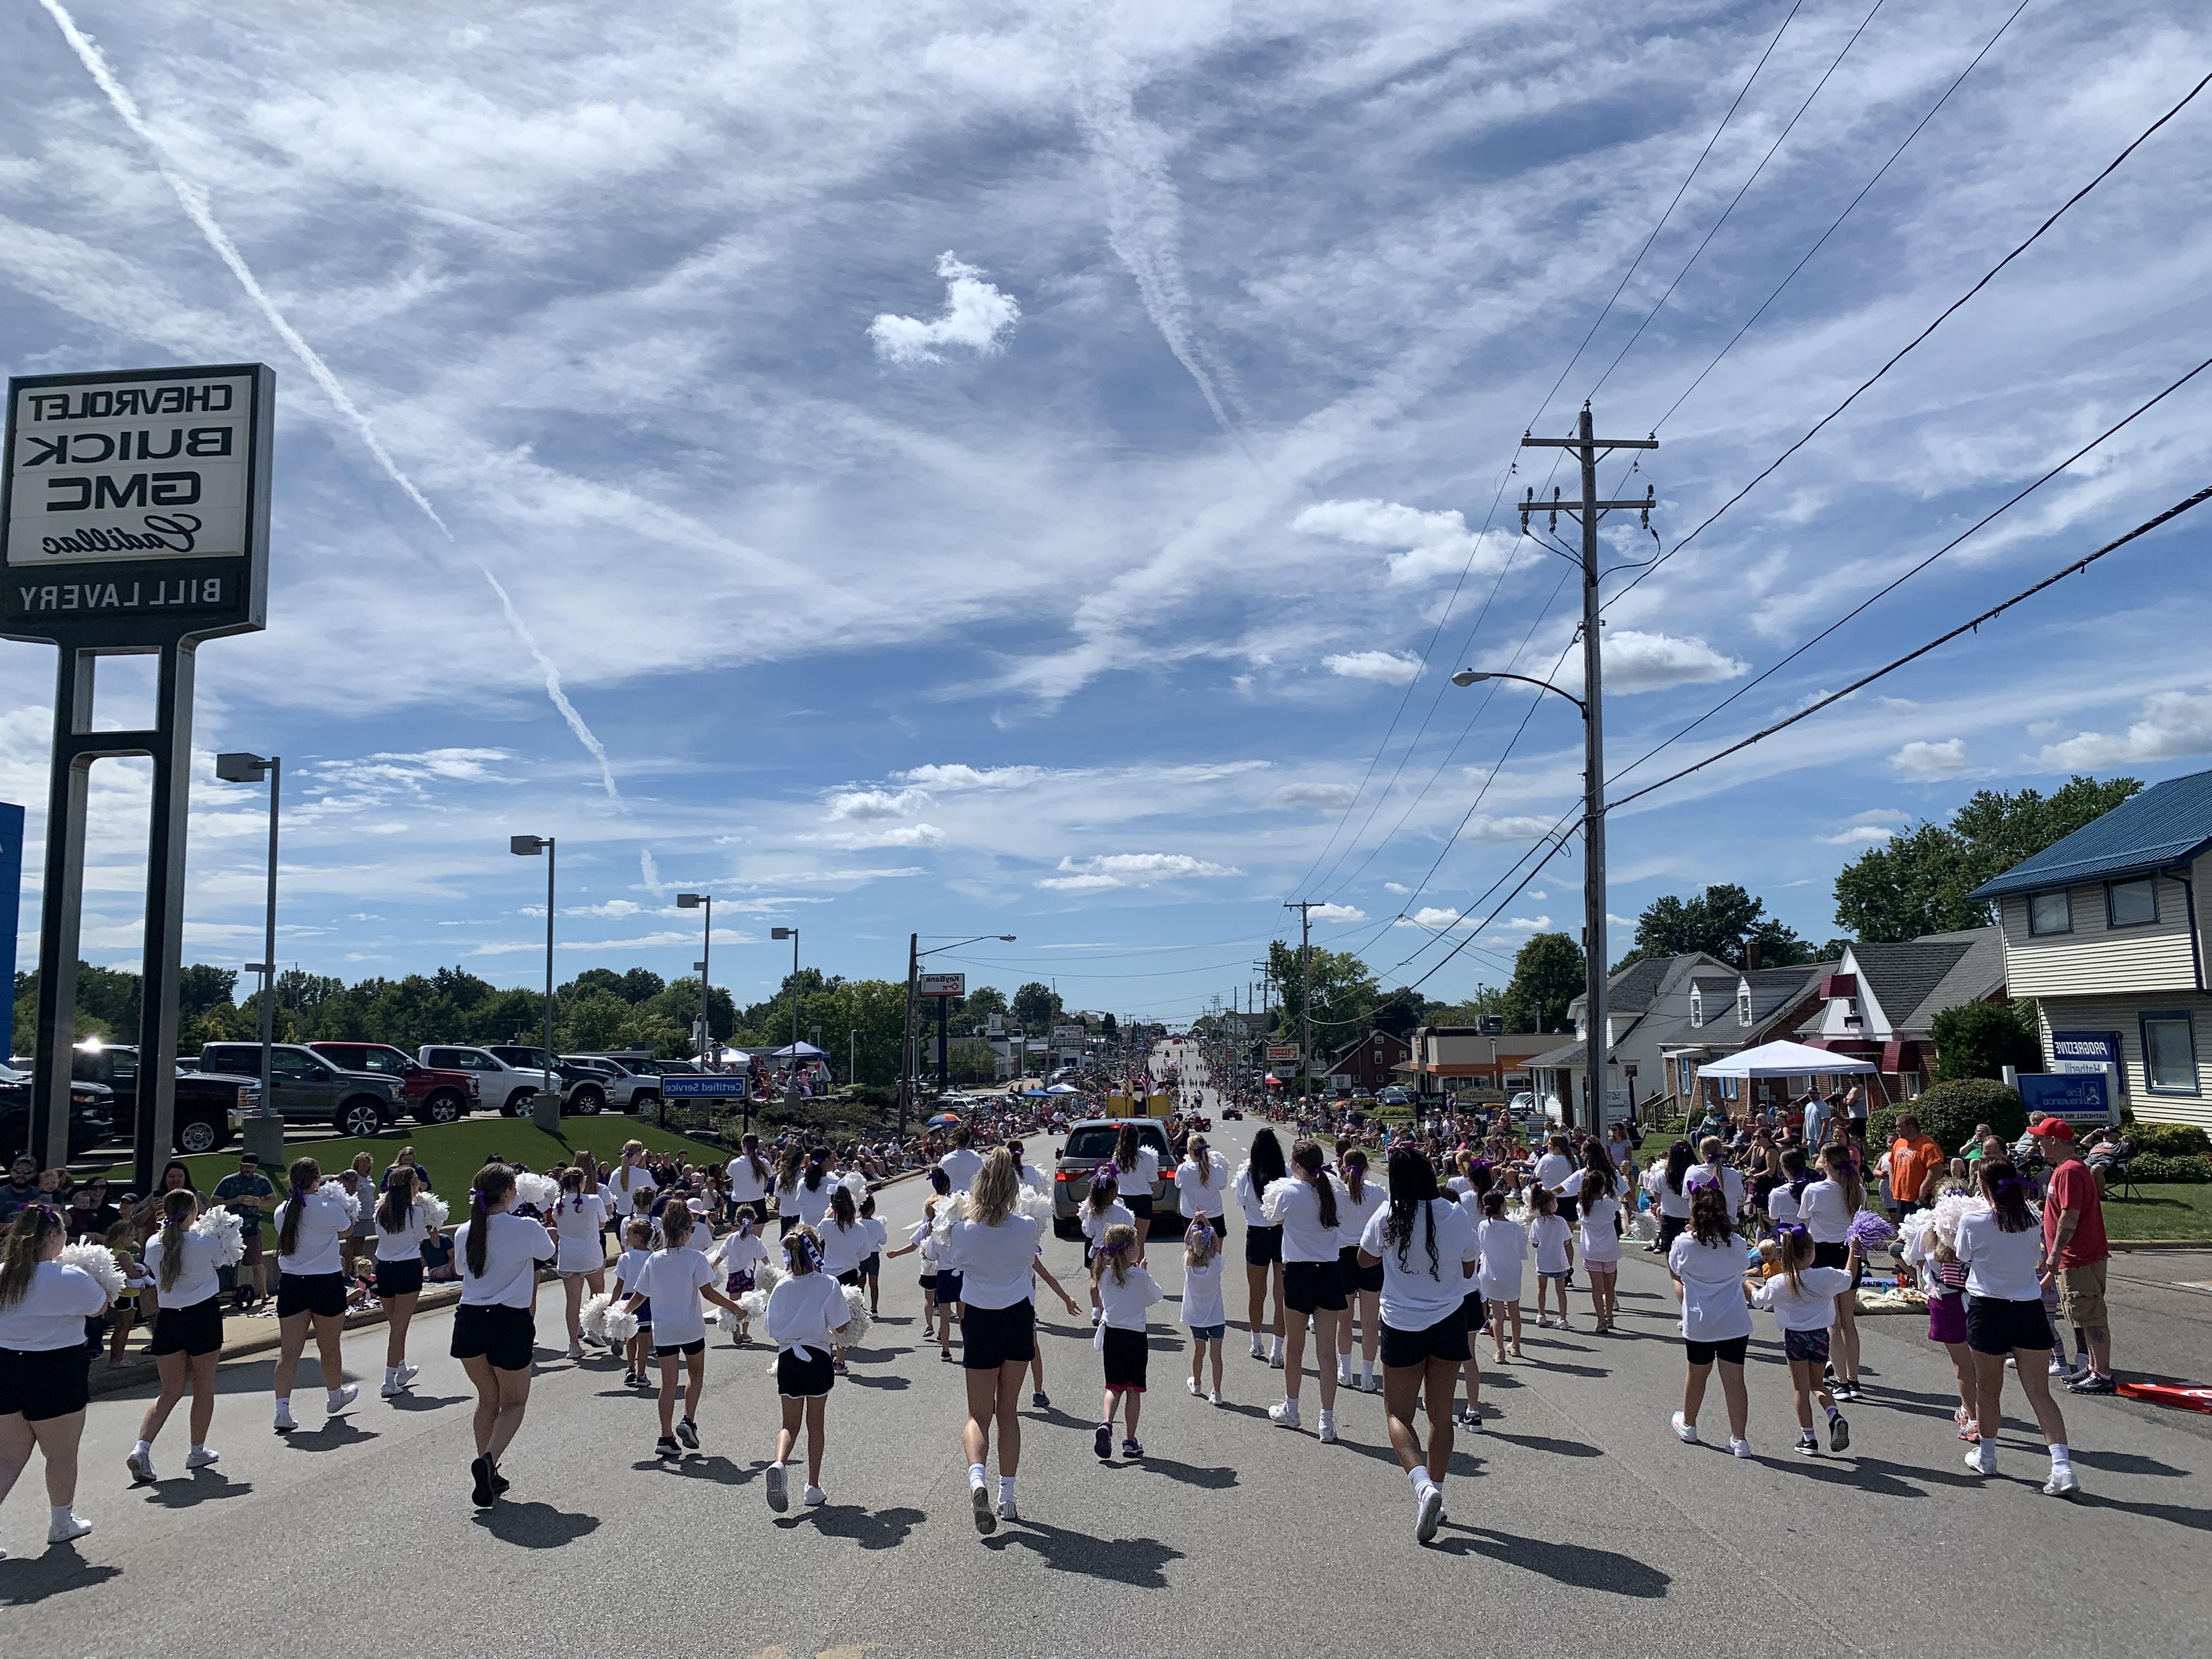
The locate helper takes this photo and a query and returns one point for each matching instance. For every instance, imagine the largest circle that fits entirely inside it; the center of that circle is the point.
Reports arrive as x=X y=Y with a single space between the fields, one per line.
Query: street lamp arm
x=1007 y=938
x=1475 y=677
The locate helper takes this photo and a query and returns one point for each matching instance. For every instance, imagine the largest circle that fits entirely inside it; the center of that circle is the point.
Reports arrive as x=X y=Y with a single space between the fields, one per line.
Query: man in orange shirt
x=1912 y=1156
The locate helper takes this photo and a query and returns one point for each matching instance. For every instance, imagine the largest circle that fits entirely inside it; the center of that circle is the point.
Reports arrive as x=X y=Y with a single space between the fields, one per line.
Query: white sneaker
x=1344 y=1376
x=142 y=1469
x=1191 y=1382
x=202 y=1458
x=1259 y=1349
x=812 y=1496
x=340 y=1398
x=1214 y=1399
x=1982 y=1459
x=1739 y=1448
x=778 y=1495
x=1328 y=1428
x=60 y=1532
x=408 y=1374
x=1429 y=1512
x=1684 y=1431
x=2063 y=1483
x=1284 y=1414
x=285 y=1424
x=1007 y=1511
x=575 y=1351
x=1543 y=1322
x=393 y=1388
x=1275 y=1360
x=2059 y=1367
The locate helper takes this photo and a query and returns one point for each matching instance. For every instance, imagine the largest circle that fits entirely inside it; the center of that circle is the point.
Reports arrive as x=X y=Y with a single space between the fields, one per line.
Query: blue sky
x=999 y=469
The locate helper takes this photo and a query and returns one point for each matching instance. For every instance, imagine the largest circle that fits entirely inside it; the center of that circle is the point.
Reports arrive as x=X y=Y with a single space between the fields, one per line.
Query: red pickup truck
x=434 y=1096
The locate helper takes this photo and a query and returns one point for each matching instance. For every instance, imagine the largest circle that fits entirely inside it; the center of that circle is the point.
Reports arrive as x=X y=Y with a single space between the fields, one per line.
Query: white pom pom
x=434 y=1208
x=336 y=1189
x=1037 y=1206
x=755 y=1303
x=856 y=1302
x=1643 y=1226
x=591 y=1319
x=620 y=1326
x=228 y=1231
x=98 y=1260
x=542 y=1191
x=1952 y=1208
x=766 y=1277
x=949 y=1210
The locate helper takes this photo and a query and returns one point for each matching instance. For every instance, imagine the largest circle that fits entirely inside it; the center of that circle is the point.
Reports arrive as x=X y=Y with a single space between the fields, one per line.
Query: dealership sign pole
x=134 y=521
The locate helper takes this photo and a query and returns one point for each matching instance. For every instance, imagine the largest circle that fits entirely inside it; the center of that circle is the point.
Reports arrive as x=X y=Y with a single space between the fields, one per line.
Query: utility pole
x=1304 y=908
x=1587 y=511
x=906 y=1041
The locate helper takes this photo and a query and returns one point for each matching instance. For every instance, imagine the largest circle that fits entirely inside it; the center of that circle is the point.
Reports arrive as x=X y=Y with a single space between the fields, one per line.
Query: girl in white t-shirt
x=631 y=1183
x=311 y=1287
x=44 y=1359
x=872 y=1262
x=1600 y=1229
x=1202 y=1307
x=1802 y=1299
x=579 y=1221
x=740 y=1256
x=1504 y=1248
x=807 y=1312
x=1549 y=1236
x=1363 y=1195
x=184 y=1267
x=637 y=1238
x=403 y=1226
x=1707 y=1263
x=1102 y=1210
x=494 y=1333
x=1127 y=1294
x=674 y=1279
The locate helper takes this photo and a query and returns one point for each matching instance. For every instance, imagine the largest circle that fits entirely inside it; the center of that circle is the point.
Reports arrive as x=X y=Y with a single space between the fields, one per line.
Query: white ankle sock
x=1005 y=1489
x=145 y=1449
x=1420 y=1479
x=2060 y=1457
x=60 y=1515
x=977 y=1475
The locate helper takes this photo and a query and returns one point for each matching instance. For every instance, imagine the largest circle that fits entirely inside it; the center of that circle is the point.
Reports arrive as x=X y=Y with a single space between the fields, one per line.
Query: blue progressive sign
x=2079 y=1096
x=703 y=1087
x=2070 y=1050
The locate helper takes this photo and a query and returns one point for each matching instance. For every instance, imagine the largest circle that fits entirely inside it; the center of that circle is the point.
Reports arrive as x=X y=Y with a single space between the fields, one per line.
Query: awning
x=1784 y=1059
x=803 y=1050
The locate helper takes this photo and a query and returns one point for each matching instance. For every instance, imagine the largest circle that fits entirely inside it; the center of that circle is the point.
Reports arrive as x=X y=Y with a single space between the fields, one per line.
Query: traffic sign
x=705 y=1086
x=941 y=985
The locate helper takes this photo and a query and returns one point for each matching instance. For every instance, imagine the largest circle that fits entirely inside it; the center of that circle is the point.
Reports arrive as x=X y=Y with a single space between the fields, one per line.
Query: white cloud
x=1398 y=887
x=1337 y=913
x=1316 y=794
x=2174 y=724
x=1928 y=762
x=1387 y=666
x=903 y=835
x=946 y=779
x=1653 y=662
x=1130 y=870
x=1534 y=894
x=977 y=316
x=1434 y=917
x=866 y=804
x=1422 y=545
x=1857 y=835
x=1528 y=924
x=1511 y=826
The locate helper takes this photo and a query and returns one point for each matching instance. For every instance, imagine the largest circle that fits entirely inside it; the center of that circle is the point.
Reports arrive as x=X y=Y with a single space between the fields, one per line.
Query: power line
x=1986 y=278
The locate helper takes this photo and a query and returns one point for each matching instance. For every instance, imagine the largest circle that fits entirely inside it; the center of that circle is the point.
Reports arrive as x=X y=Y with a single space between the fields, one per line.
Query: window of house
x=2130 y=903
x=1682 y=1070
x=2050 y=913
x=1697 y=1005
x=2169 y=1054
x=1743 y=1006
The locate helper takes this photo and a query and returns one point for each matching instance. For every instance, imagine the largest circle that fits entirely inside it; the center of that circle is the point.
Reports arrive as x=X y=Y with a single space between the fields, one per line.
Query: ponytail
x=19 y=1256
x=306 y=1175
x=177 y=1208
x=493 y=1183
x=1307 y=1156
x=392 y=1214
x=841 y=1206
x=572 y=1187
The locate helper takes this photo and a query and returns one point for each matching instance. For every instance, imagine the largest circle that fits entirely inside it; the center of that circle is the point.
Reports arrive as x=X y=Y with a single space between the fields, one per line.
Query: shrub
x=1949 y=1111
x=2161 y=1169
x=2170 y=1141
x=1980 y=1039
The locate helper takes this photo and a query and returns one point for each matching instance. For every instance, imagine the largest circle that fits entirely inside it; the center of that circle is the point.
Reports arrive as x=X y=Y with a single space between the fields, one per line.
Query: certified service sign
x=134 y=505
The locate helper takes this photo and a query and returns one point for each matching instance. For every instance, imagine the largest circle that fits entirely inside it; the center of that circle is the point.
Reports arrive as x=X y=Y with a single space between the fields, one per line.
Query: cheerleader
x=580 y=1219
x=1102 y=1211
x=750 y=1180
x=740 y=1256
x=1363 y=1285
x=1786 y=1200
x=1478 y=1183
x=1801 y=1297
x=1127 y=1292
x=1551 y=1237
x=403 y=1227
x=1707 y=1264
x=310 y=1287
x=845 y=1241
x=923 y=1239
x=1305 y=1206
x=637 y=1238
x=1202 y=1309
x=964 y=1163
x=2007 y=1262
x=1664 y=1183
x=1263 y=1242
x=1827 y=1206
x=1424 y=1247
x=1600 y=1230
x=45 y=1362
x=1201 y=1182
x=631 y=1186
x=359 y=1182
x=996 y=1250
x=186 y=1293
x=672 y=1279
x=1504 y=1246
x=812 y=1191
x=494 y=1334
x=806 y=1313
x=1137 y=1168
x=1943 y=1277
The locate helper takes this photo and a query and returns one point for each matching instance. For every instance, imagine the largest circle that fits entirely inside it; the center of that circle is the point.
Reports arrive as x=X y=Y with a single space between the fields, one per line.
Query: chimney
x=1751 y=955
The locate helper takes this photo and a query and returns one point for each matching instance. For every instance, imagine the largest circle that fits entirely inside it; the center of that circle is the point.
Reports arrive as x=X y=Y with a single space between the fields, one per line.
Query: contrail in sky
x=194 y=198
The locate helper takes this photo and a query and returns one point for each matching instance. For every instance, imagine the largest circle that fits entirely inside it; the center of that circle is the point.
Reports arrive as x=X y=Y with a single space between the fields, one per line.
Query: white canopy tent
x=1785 y=1059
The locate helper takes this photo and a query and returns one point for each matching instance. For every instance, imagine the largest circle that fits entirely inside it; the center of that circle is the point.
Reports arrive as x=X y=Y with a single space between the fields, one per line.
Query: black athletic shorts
x=398 y=1278
x=797 y=1378
x=661 y=1352
x=1835 y=1255
x=871 y=1264
x=42 y=1383
x=1262 y=1245
x=850 y=1276
x=1125 y=1360
x=195 y=1330
x=1313 y=1287
x=321 y=1294
x=948 y=1285
x=992 y=1337
x=1355 y=1277
x=1445 y=1340
x=1570 y=1208
x=1141 y=1204
x=1729 y=1351
x=505 y=1337
x=1995 y=1327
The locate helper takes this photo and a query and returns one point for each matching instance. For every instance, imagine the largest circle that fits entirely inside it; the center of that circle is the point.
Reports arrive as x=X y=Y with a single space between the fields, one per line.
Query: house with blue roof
x=2102 y=930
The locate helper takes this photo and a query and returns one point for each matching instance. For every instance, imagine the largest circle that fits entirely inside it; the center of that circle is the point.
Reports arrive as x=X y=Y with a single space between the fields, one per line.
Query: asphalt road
x=1576 y=1521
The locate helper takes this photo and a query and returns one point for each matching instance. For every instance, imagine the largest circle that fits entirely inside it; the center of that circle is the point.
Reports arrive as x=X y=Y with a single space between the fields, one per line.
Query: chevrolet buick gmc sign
x=134 y=505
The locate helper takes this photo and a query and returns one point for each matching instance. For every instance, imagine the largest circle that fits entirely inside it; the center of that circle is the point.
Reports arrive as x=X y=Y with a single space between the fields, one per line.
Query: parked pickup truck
x=310 y=1088
x=91 y=1122
x=207 y=1102
x=630 y=1087
x=504 y=1081
x=434 y=1094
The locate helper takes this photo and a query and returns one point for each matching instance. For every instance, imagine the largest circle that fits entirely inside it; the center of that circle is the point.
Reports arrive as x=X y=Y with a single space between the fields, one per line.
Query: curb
x=2158 y=1243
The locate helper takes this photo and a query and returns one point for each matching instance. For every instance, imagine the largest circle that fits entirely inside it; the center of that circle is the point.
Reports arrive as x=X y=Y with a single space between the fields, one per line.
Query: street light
x=545 y=1111
x=702 y=901
x=1594 y=987
x=908 y=1067
x=238 y=767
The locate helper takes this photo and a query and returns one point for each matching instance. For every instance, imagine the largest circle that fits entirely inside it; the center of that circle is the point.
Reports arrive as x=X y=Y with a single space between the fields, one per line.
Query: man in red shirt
x=2074 y=1250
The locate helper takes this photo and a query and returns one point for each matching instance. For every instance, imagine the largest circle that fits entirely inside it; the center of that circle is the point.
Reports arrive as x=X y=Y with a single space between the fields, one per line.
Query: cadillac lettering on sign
x=134 y=505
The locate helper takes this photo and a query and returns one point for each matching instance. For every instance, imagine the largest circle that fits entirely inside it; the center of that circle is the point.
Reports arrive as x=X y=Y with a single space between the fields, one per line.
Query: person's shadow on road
x=1140 y=1562
x=532 y=1526
x=871 y=1529
x=56 y=1572
x=1576 y=1564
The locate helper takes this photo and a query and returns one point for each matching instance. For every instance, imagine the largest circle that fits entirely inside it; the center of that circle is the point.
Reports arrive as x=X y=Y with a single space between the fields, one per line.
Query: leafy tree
x=1917 y=882
x=1340 y=987
x=1980 y=1039
x=1487 y=999
x=1036 y=1006
x=1547 y=975
x=1719 y=923
x=979 y=1003
x=1108 y=1029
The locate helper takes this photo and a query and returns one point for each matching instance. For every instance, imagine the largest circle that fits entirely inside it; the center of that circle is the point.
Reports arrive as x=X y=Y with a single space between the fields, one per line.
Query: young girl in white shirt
x=1305 y=1206
x=1202 y=1308
x=1263 y=1244
x=403 y=1225
x=311 y=1288
x=184 y=1267
x=1505 y=1248
x=494 y=1331
x=2006 y=1264
x=1548 y=1236
x=806 y=1312
x=1127 y=1292
x=675 y=1278
x=1599 y=1226
x=1102 y=1210
x=739 y=1255
x=1137 y=1167
x=1801 y=1297
x=1827 y=1208
x=579 y=1220
x=637 y=1238
x=876 y=1236
x=1361 y=1197
x=45 y=1360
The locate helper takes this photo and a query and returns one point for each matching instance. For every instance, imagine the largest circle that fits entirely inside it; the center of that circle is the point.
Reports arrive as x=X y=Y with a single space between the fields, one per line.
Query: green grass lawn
x=2164 y=1211
x=454 y=1151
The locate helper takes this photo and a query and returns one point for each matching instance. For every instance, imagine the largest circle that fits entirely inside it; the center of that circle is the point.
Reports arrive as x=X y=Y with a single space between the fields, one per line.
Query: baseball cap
x=2056 y=1128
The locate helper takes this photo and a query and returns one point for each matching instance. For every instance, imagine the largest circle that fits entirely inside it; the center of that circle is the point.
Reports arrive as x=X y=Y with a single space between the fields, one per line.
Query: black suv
x=92 y=1115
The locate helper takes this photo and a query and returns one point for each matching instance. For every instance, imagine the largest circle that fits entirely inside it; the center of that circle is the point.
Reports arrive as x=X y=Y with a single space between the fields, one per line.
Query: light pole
x=545 y=1109
x=703 y=901
x=238 y=767
x=909 y=1064
x=1594 y=987
x=791 y=1071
